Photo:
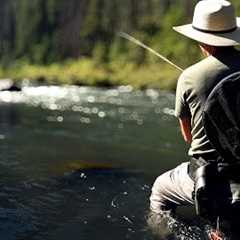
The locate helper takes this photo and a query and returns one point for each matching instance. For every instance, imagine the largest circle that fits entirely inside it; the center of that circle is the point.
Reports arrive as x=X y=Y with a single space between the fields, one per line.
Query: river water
x=79 y=162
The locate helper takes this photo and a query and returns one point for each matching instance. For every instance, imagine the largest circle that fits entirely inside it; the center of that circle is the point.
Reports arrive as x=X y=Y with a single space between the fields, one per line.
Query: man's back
x=194 y=86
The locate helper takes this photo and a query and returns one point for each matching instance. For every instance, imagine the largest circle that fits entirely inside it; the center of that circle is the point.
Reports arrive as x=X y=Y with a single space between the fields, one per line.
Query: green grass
x=89 y=72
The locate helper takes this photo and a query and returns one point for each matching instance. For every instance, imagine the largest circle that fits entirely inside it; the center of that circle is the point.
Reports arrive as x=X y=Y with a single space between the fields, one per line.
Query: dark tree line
x=43 y=31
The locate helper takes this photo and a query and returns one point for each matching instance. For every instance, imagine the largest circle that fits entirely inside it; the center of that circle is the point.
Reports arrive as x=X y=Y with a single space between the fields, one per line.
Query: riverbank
x=92 y=73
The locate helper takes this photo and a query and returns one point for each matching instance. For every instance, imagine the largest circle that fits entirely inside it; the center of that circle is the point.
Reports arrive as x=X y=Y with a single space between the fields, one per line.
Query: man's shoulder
x=211 y=66
x=200 y=69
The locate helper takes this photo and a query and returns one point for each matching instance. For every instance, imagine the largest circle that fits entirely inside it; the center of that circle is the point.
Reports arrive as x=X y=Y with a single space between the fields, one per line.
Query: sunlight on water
x=77 y=157
x=90 y=102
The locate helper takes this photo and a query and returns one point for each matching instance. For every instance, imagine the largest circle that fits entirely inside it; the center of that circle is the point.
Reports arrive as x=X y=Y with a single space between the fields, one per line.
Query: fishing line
x=139 y=43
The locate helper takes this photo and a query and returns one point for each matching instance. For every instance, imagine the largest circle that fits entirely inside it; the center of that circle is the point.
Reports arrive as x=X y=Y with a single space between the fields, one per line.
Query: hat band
x=212 y=31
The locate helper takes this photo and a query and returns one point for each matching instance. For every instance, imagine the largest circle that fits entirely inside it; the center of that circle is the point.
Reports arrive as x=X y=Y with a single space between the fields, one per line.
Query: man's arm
x=185 y=124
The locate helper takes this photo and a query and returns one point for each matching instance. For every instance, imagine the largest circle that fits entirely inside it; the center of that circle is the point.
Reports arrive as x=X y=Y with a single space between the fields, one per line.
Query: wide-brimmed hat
x=214 y=23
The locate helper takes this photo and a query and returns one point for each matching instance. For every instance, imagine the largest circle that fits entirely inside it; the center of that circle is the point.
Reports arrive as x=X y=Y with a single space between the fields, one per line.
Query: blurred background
x=86 y=117
x=76 y=41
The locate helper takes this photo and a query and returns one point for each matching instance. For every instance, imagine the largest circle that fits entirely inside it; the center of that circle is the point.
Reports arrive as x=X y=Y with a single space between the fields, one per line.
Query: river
x=79 y=162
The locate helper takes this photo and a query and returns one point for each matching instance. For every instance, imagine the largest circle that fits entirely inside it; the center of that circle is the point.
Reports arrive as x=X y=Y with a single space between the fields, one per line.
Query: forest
x=77 y=41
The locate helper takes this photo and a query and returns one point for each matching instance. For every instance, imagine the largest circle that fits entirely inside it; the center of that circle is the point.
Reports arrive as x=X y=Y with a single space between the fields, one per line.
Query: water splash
x=167 y=226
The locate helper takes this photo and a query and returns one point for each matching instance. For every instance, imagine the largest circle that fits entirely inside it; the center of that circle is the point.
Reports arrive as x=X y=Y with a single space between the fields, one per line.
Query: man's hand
x=185 y=124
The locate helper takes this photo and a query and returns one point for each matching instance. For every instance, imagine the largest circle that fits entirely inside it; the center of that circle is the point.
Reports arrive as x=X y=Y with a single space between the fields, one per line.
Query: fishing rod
x=136 y=41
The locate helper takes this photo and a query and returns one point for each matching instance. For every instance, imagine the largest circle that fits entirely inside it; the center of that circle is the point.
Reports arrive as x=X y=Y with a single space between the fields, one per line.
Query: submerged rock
x=9 y=85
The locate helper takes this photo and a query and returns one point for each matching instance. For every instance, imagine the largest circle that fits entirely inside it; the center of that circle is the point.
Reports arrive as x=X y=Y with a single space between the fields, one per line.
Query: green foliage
x=53 y=30
x=28 y=21
x=118 y=50
x=88 y=72
x=100 y=53
x=236 y=3
x=91 y=22
x=173 y=45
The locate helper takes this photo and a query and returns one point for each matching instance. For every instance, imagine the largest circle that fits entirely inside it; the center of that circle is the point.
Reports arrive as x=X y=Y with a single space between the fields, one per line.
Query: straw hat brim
x=213 y=39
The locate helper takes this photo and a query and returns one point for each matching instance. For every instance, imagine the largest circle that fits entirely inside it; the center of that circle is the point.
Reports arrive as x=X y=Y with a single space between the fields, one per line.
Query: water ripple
x=48 y=132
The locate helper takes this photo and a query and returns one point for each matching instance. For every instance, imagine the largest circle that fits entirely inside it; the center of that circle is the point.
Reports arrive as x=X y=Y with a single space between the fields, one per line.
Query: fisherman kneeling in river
x=217 y=30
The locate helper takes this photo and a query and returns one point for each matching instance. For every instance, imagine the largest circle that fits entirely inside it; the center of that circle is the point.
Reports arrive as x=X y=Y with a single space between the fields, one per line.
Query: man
x=217 y=30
